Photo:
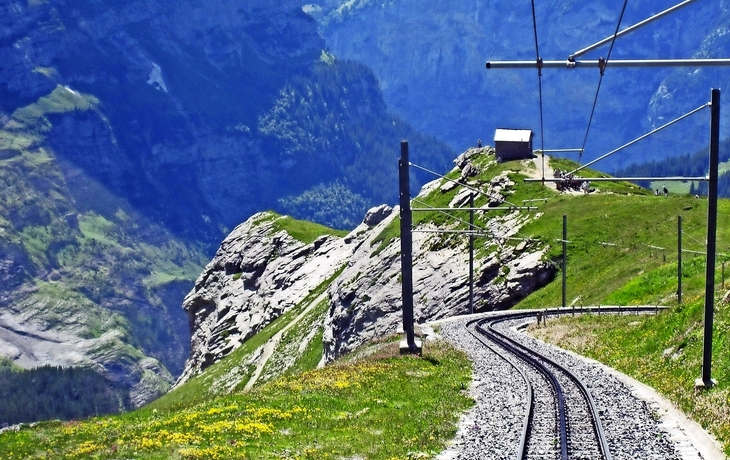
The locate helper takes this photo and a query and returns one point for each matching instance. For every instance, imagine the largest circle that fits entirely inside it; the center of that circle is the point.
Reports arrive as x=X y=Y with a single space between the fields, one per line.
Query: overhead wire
x=468 y=187
x=600 y=79
x=482 y=230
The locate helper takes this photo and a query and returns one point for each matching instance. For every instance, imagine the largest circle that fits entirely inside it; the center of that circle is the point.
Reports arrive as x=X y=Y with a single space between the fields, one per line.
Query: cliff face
x=258 y=273
x=261 y=272
x=429 y=57
x=173 y=81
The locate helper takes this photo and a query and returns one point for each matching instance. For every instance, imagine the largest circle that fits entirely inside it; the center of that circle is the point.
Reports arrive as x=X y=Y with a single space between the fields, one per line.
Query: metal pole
x=565 y=256
x=616 y=179
x=560 y=151
x=711 y=239
x=406 y=247
x=602 y=63
x=664 y=126
x=631 y=29
x=471 y=253
x=679 y=260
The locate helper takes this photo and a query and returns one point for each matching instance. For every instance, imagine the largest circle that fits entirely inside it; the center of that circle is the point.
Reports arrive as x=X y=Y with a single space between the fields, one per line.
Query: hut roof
x=512 y=135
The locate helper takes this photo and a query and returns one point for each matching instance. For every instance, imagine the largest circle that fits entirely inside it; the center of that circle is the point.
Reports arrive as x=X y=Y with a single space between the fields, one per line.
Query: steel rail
x=549 y=376
x=507 y=344
x=530 y=393
x=597 y=426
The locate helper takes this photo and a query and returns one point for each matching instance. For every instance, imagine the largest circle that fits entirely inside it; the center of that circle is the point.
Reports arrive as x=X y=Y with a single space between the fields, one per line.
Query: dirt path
x=274 y=342
x=549 y=172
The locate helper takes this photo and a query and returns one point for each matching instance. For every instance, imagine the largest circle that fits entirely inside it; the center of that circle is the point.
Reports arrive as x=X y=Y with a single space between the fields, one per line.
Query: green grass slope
x=377 y=405
x=623 y=250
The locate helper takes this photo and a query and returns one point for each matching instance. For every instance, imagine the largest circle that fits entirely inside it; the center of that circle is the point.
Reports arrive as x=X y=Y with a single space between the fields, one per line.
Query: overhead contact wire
x=600 y=80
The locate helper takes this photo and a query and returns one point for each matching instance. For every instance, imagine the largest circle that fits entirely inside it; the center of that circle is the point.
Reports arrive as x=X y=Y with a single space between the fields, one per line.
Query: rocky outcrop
x=365 y=300
x=259 y=273
x=377 y=214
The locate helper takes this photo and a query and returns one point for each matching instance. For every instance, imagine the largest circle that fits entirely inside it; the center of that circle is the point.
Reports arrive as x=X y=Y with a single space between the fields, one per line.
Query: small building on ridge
x=513 y=144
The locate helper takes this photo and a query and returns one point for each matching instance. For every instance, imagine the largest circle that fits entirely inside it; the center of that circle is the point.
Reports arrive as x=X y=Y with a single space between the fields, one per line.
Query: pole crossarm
x=497 y=208
x=428 y=208
x=629 y=29
x=473 y=233
x=602 y=63
x=559 y=151
x=485 y=231
x=654 y=131
x=617 y=179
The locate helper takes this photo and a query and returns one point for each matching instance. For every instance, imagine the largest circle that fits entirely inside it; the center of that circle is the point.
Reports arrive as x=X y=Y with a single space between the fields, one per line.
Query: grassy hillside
x=621 y=251
x=365 y=406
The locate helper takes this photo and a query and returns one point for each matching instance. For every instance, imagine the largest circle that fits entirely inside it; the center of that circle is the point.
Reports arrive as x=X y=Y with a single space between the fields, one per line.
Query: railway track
x=560 y=420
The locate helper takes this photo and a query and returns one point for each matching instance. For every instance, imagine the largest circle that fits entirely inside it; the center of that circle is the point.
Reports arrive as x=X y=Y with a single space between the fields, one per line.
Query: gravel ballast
x=637 y=423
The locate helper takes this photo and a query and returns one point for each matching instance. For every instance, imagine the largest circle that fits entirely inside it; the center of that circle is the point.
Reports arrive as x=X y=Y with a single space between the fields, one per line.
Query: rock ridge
x=260 y=272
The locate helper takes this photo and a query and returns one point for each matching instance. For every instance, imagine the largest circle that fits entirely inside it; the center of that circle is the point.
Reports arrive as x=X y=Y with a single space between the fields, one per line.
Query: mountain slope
x=430 y=56
x=620 y=233
x=261 y=272
x=133 y=135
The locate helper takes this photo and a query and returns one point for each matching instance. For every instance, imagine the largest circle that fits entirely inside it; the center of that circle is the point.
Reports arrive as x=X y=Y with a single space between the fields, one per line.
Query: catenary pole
x=471 y=253
x=711 y=240
x=406 y=248
x=565 y=257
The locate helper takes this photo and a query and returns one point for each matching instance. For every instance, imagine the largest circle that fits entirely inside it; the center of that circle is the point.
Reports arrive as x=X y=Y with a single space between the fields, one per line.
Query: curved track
x=561 y=420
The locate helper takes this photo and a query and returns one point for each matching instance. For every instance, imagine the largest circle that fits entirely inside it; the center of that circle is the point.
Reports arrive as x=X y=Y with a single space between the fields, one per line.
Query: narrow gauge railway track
x=561 y=420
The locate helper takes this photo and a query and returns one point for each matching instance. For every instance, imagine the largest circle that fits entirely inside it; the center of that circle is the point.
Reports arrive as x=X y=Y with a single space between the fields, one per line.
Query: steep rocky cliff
x=261 y=271
x=429 y=57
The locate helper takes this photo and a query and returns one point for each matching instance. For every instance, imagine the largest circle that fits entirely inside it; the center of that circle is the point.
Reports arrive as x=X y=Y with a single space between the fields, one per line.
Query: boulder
x=375 y=215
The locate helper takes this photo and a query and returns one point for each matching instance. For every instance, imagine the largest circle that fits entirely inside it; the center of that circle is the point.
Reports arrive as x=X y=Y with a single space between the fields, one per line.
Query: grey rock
x=257 y=274
x=463 y=160
x=469 y=170
x=375 y=215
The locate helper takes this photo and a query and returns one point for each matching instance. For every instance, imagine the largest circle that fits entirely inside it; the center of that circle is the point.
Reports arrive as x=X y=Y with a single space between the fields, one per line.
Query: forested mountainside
x=430 y=59
x=134 y=134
